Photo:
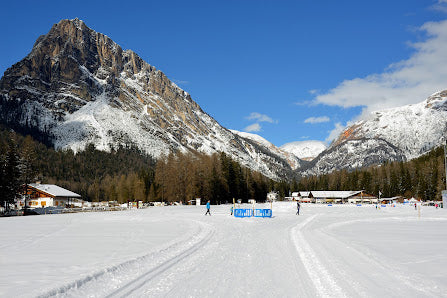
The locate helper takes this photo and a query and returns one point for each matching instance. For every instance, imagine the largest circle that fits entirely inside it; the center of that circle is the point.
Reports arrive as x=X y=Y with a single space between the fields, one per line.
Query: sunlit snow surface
x=338 y=251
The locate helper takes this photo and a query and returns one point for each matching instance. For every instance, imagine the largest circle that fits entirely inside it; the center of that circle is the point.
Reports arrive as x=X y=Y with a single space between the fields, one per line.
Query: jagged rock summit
x=78 y=87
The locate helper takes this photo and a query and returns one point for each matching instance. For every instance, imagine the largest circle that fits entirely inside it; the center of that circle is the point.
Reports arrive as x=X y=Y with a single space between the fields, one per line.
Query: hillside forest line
x=422 y=178
x=126 y=174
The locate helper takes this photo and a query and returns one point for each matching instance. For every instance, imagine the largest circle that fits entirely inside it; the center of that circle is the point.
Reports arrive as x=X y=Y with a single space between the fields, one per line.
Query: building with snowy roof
x=302 y=196
x=50 y=195
x=338 y=197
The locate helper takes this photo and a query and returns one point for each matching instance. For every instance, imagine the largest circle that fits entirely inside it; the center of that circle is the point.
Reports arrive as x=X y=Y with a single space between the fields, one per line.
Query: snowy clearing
x=338 y=251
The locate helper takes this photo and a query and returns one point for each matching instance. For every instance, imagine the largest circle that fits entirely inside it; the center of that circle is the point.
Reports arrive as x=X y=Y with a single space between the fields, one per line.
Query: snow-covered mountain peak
x=437 y=101
x=254 y=137
x=400 y=133
x=78 y=87
x=306 y=150
x=293 y=161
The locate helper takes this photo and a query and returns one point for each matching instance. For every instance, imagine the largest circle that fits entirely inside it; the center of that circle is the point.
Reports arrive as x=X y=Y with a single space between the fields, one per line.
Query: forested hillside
x=126 y=174
x=423 y=178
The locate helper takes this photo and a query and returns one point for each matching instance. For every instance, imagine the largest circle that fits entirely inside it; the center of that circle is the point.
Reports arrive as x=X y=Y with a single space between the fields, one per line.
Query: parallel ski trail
x=323 y=281
x=142 y=280
x=134 y=273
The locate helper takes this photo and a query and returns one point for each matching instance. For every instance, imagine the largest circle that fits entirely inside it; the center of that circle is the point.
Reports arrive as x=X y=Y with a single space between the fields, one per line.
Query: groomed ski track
x=324 y=252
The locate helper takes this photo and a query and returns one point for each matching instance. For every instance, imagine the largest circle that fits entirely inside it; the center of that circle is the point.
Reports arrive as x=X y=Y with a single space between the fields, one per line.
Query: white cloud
x=441 y=6
x=253 y=128
x=333 y=134
x=314 y=120
x=180 y=82
x=405 y=82
x=260 y=117
x=307 y=103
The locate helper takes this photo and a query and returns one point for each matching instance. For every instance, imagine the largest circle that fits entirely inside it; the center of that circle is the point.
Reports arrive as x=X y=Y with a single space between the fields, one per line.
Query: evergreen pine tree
x=12 y=175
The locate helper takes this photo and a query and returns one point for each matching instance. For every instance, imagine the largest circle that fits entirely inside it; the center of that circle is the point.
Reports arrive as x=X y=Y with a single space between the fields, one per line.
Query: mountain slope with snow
x=306 y=150
x=401 y=133
x=77 y=87
x=266 y=146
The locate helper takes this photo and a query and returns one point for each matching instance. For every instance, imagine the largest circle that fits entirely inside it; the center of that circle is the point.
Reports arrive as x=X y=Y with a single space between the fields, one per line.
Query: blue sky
x=286 y=70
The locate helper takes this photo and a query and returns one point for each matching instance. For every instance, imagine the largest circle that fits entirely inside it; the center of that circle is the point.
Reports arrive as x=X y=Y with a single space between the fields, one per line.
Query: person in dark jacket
x=208 y=208
x=298 y=208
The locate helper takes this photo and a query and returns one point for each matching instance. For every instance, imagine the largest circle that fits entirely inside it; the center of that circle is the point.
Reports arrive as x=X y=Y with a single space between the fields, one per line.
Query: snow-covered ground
x=338 y=251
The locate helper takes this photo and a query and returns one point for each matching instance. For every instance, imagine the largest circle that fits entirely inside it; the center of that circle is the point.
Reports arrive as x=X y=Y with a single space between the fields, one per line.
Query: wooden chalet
x=50 y=195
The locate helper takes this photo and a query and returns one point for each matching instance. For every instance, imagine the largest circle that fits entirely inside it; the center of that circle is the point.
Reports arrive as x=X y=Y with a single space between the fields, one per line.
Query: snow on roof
x=389 y=199
x=54 y=190
x=334 y=194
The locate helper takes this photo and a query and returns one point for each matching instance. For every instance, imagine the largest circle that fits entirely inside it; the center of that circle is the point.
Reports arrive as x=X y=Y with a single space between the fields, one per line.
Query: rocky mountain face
x=265 y=146
x=401 y=133
x=77 y=87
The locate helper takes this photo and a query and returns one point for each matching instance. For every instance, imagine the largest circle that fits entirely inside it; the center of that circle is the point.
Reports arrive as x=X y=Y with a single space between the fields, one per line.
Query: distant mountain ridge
x=401 y=133
x=294 y=161
x=306 y=150
x=78 y=87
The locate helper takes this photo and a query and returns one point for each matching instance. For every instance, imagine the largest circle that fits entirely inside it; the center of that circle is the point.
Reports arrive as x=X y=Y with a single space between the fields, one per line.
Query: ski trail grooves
x=133 y=274
x=140 y=281
x=323 y=281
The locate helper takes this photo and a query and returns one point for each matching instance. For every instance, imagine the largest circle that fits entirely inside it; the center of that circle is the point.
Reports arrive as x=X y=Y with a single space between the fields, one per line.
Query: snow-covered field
x=339 y=251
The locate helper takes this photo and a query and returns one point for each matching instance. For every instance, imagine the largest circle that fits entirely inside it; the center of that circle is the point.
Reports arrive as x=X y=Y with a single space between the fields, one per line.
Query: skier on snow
x=298 y=208
x=208 y=208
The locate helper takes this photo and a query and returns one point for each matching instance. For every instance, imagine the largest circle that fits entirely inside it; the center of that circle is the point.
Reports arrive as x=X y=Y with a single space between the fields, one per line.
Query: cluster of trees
x=215 y=177
x=95 y=175
x=16 y=168
x=126 y=174
x=182 y=177
x=423 y=178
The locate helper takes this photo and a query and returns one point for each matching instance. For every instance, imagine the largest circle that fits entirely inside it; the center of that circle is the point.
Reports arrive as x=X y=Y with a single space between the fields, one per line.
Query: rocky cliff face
x=78 y=87
x=395 y=134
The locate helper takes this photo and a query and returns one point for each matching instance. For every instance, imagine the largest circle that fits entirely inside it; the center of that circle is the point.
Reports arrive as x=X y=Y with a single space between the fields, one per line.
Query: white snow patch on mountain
x=257 y=138
x=291 y=159
x=306 y=150
x=415 y=129
x=402 y=133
